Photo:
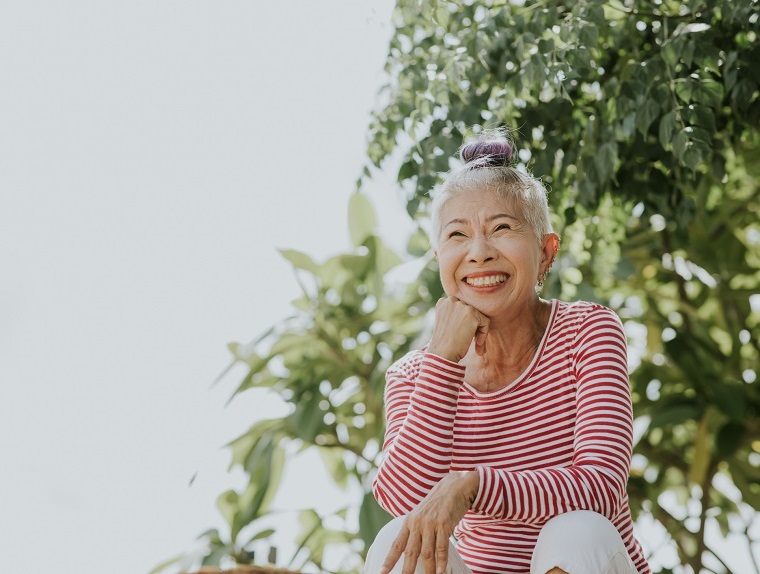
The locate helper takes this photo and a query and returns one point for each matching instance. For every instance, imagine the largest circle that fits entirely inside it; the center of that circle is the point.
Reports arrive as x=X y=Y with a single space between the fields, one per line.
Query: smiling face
x=488 y=255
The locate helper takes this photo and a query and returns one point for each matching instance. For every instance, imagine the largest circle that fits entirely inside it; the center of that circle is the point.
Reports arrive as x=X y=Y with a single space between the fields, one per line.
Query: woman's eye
x=456 y=234
x=503 y=226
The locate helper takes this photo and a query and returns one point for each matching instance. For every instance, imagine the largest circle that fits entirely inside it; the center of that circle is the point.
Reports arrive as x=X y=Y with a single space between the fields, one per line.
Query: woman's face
x=488 y=255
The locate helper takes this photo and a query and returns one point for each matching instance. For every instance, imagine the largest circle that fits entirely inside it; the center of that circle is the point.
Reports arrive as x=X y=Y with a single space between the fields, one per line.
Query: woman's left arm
x=603 y=439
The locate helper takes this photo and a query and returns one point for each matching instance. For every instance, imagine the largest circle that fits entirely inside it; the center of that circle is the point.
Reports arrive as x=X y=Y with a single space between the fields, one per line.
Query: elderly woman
x=512 y=429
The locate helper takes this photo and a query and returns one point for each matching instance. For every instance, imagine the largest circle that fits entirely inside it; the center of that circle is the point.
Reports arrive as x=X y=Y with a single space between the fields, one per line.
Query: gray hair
x=495 y=172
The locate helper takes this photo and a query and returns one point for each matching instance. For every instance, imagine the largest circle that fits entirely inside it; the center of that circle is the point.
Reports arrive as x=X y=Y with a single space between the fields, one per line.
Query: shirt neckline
x=528 y=370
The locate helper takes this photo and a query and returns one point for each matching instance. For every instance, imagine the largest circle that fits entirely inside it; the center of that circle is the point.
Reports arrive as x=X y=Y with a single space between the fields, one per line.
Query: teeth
x=486 y=281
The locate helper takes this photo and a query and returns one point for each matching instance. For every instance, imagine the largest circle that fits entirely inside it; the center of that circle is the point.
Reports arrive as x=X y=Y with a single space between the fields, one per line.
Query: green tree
x=643 y=118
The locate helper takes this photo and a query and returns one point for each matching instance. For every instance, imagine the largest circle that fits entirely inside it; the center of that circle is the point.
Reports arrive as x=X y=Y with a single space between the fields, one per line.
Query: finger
x=441 y=552
x=411 y=553
x=480 y=343
x=483 y=322
x=481 y=335
x=397 y=549
x=427 y=552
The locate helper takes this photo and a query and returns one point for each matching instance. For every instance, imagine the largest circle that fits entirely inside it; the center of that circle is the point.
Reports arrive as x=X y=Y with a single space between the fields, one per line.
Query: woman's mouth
x=486 y=280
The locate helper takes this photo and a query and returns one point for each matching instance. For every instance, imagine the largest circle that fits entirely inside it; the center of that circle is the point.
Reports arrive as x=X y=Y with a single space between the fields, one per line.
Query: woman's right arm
x=420 y=405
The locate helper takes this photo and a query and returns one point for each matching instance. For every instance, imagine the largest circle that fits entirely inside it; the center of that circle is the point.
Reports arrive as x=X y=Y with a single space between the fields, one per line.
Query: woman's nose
x=481 y=250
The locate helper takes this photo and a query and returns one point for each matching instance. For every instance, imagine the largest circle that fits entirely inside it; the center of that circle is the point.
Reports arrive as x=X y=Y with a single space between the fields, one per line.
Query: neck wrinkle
x=507 y=360
x=508 y=345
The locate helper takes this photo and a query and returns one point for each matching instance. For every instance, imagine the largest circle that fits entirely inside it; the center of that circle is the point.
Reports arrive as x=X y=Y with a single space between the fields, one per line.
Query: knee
x=389 y=532
x=578 y=542
x=381 y=546
x=579 y=529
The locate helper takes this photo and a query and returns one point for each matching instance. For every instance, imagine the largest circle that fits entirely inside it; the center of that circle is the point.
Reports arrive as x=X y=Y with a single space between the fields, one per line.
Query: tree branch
x=680 y=282
x=706 y=487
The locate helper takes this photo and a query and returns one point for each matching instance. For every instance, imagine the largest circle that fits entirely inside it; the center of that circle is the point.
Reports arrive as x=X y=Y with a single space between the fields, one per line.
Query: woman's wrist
x=470 y=484
x=443 y=353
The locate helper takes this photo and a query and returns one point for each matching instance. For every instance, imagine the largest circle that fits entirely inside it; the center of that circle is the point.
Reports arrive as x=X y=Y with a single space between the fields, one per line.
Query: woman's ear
x=549 y=250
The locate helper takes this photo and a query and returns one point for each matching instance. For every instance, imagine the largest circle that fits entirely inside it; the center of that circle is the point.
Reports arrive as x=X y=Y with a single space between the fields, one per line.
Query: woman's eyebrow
x=489 y=219
x=500 y=215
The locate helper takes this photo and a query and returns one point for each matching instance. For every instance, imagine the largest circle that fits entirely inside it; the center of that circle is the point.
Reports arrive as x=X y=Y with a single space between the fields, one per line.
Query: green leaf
x=666 y=415
x=227 y=502
x=250 y=507
x=730 y=438
x=595 y=14
x=361 y=218
x=681 y=143
x=266 y=533
x=694 y=5
x=646 y=115
x=243 y=445
x=371 y=519
x=386 y=259
x=670 y=54
x=418 y=244
x=709 y=93
x=693 y=158
x=605 y=160
x=702 y=117
x=335 y=465
x=215 y=557
x=310 y=522
x=442 y=15
x=299 y=260
x=589 y=36
x=308 y=417
x=668 y=125
x=730 y=399
x=357 y=266
x=408 y=170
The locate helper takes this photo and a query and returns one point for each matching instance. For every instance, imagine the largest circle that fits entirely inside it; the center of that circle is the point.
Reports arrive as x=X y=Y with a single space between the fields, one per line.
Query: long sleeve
x=420 y=406
x=602 y=438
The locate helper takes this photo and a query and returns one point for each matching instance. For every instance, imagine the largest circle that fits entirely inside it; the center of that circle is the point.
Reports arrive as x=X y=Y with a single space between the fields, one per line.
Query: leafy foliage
x=643 y=119
x=328 y=362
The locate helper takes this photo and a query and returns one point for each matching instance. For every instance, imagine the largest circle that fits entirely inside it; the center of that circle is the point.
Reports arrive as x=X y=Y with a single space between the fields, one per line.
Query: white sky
x=153 y=156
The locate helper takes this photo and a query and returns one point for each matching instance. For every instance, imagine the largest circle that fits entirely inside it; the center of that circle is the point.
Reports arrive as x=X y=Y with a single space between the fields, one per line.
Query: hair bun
x=487 y=153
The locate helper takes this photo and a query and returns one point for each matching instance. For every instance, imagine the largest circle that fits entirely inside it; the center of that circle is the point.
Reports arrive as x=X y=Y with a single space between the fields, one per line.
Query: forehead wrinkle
x=500 y=215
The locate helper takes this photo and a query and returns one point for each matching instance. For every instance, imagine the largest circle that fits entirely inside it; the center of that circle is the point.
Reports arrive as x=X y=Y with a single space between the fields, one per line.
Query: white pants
x=579 y=542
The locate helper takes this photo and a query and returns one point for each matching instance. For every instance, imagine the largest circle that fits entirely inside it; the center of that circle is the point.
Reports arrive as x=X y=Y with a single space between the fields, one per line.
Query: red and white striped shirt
x=559 y=438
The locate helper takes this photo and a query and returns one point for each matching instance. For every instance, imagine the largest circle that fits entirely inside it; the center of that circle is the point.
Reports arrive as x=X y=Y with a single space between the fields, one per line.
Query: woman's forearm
x=420 y=433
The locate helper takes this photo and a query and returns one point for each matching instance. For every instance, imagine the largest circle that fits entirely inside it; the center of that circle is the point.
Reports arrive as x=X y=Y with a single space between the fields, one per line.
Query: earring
x=540 y=283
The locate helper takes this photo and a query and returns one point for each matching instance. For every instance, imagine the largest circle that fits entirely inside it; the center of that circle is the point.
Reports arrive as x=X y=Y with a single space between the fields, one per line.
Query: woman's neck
x=511 y=345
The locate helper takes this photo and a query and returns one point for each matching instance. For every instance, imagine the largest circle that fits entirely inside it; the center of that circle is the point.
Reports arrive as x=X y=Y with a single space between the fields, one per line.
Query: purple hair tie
x=487 y=153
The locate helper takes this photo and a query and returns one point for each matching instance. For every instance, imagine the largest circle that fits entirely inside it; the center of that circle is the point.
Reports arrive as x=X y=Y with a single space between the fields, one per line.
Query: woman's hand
x=456 y=325
x=427 y=528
